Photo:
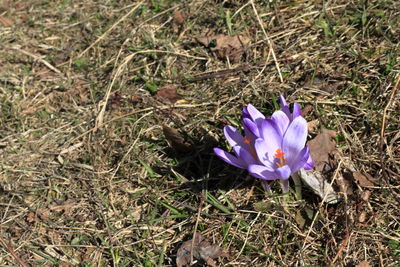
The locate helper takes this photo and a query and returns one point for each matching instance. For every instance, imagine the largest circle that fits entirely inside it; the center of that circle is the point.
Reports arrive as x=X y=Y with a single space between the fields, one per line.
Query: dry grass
x=88 y=178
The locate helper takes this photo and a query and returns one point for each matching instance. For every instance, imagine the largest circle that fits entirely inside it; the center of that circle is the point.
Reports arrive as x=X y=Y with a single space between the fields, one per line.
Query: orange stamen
x=252 y=150
x=247 y=140
x=279 y=154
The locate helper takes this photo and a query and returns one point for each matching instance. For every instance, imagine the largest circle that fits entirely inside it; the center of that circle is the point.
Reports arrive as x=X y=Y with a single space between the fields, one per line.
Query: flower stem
x=285 y=186
x=266 y=186
x=297 y=185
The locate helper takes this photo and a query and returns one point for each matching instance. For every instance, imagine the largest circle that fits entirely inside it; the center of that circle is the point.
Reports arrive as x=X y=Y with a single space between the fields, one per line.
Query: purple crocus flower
x=291 y=116
x=272 y=148
x=280 y=154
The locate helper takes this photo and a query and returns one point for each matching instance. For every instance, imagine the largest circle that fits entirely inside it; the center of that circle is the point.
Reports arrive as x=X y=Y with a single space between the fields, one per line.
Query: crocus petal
x=296 y=110
x=244 y=155
x=301 y=160
x=283 y=172
x=249 y=134
x=284 y=106
x=251 y=126
x=233 y=136
x=255 y=115
x=309 y=164
x=265 y=153
x=295 y=138
x=229 y=158
x=282 y=101
x=271 y=135
x=281 y=120
x=245 y=113
x=260 y=171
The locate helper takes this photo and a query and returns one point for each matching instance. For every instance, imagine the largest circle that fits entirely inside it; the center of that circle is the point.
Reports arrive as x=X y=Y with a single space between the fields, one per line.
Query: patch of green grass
x=81 y=63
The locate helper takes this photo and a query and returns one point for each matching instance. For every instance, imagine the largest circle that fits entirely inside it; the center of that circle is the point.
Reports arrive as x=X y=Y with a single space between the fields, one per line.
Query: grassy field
x=102 y=163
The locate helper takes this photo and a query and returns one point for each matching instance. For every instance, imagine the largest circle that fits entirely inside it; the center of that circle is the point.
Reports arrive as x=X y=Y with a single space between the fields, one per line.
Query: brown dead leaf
x=300 y=220
x=201 y=249
x=115 y=102
x=178 y=18
x=43 y=213
x=44 y=74
x=365 y=195
x=169 y=93
x=67 y=207
x=31 y=217
x=176 y=141
x=362 y=216
x=85 y=255
x=20 y=5
x=231 y=47
x=363 y=264
x=320 y=148
x=313 y=126
x=364 y=180
x=344 y=181
x=6 y=22
x=307 y=109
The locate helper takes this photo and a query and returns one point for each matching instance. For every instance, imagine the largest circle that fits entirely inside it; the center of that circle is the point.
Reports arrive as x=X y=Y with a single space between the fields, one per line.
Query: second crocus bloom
x=272 y=148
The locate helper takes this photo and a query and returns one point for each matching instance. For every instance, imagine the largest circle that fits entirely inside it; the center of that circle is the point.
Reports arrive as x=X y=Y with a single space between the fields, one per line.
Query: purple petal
x=245 y=113
x=296 y=110
x=233 y=136
x=229 y=158
x=249 y=134
x=251 y=126
x=244 y=155
x=271 y=135
x=260 y=171
x=300 y=161
x=282 y=101
x=295 y=138
x=283 y=172
x=281 y=120
x=255 y=115
x=265 y=153
x=309 y=164
x=284 y=106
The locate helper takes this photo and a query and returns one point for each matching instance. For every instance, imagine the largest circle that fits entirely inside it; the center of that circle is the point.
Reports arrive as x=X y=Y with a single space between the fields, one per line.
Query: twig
x=38 y=58
x=382 y=143
x=195 y=228
x=342 y=246
x=268 y=40
x=103 y=104
x=13 y=253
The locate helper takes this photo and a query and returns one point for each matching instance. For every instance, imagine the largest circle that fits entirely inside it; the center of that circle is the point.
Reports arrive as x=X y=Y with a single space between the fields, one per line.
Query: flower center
x=280 y=156
x=251 y=148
